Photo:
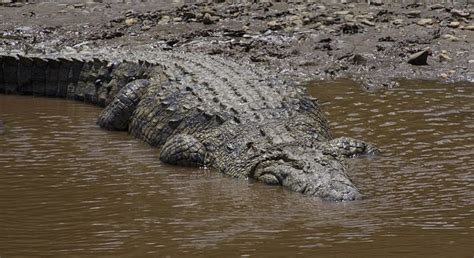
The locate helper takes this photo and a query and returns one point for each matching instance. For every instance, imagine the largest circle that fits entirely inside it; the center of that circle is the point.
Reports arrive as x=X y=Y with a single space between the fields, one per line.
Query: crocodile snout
x=322 y=177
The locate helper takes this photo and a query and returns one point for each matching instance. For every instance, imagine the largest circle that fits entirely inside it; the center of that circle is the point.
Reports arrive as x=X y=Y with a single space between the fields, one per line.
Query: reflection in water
x=67 y=187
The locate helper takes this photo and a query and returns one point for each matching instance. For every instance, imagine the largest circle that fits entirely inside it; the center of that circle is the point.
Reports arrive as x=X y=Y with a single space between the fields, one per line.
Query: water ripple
x=69 y=188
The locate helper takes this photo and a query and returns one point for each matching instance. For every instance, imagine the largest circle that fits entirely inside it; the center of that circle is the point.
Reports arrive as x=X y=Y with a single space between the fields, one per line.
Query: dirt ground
x=375 y=44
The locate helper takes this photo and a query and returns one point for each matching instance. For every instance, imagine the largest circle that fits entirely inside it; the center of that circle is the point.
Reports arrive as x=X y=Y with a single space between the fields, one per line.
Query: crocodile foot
x=184 y=150
x=116 y=115
x=351 y=147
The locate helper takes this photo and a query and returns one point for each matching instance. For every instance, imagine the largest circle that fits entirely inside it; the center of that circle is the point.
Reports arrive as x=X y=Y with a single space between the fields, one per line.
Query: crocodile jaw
x=312 y=173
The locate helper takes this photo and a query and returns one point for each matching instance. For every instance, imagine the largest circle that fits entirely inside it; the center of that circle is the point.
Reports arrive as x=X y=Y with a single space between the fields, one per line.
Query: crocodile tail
x=94 y=80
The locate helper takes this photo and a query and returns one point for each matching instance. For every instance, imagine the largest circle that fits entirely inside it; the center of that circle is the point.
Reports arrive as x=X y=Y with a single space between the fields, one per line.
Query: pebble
x=436 y=6
x=130 y=13
x=295 y=20
x=376 y=2
x=397 y=21
x=164 y=20
x=349 y=18
x=209 y=19
x=454 y=24
x=450 y=37
x=330 y=20
x=461 y=13
x=367 y=22
x=424 y=22
x=274 y=25
x=68 y=50
x=419 y=58
x=365 y=16
x=469 y=27
x=131 y=21
x=414 y=14
x=82 y=44
x=444 y=58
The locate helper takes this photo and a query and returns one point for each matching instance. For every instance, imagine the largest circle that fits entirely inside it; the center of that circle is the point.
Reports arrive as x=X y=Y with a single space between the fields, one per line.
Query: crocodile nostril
x=343 y=192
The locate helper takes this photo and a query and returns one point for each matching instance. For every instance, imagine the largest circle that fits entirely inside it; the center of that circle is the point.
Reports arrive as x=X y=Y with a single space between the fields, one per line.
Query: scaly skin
x=202 y=111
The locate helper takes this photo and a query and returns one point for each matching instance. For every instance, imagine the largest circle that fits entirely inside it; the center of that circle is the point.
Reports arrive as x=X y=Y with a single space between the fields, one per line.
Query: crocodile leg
x=350 y=147
x=116 y=115
x=184 y=150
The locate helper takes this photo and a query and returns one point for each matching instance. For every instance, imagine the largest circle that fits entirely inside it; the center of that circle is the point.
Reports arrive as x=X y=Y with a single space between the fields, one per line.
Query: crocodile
x=201 y=110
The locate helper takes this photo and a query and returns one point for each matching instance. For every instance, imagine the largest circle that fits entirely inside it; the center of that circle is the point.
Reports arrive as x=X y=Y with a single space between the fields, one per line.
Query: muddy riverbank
x=372 y=44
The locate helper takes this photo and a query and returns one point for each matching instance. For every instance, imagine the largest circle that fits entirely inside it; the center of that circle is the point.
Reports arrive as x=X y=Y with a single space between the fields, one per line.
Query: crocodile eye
x=269 y=179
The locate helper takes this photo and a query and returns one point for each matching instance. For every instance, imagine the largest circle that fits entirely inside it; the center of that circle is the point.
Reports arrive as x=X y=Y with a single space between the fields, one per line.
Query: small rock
x=68 y=50
x=130 y=13
x=78 y=5
x=164 y=20
x=295 y=20
x=454 y=24
x=317 y=25
x=444 y=76
x=274 y=25
x=413 y=14
x=349 y=18
x=145 y=27
x=444 y=58
x=367 y=22
x=376 y=2
x=436 y=6
x=397 y=22
x=424 y=22
x=349 y=28
x=16 y=5
x=368 y=16
x=419 y=58
x=460 y=13
x=329 y=20
x=82 y=44
x=471 y=61
x=450 y=37
x=189 y=15
x=342 y=13
x=469 y=27
x=209 y=19
x=131 y=21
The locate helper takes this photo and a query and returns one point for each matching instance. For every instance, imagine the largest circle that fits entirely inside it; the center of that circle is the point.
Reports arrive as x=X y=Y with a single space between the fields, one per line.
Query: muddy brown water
x=70 y=188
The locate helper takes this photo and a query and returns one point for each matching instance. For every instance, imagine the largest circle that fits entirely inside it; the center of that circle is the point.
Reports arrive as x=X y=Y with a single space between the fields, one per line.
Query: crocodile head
x=308 y=171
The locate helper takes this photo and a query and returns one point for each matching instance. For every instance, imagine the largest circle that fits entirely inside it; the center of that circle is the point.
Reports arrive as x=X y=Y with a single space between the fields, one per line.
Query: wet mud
x=375 y=45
